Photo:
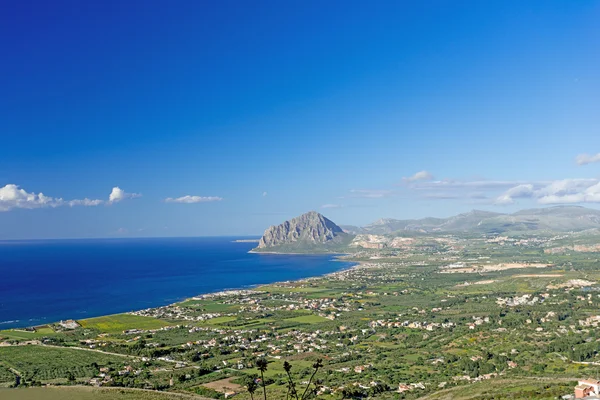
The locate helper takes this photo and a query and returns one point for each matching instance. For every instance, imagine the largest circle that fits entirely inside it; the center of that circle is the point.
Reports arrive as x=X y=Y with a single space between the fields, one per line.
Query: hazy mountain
x=558 y=219
x=308 y=232
x=467 y=221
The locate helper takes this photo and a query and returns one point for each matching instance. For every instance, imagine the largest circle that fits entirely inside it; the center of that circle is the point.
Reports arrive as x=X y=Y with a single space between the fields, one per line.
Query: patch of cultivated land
x=88 y=393
x=515 y=323
x=224 y=386
x=506 y=389
x=491 y=268
x=121 y=322
x=42 y=363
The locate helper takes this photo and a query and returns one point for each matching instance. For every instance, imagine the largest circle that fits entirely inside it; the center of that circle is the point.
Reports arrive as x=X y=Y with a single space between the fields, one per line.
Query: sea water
x=47 y=281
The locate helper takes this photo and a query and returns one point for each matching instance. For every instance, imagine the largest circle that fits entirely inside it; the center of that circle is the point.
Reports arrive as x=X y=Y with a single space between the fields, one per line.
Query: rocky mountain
x=308 y=232
x=556 y=219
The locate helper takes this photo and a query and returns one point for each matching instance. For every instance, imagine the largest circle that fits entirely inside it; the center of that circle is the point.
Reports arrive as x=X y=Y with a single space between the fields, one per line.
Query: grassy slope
x=119 y=322
x=505 y=389
x=88 y=393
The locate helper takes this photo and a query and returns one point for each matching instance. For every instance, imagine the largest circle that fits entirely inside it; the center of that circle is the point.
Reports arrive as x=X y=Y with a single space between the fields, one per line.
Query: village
x=393 y=325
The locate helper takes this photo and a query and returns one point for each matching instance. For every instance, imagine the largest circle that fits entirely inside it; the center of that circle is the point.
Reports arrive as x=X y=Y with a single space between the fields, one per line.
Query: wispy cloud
x=584 y=159
x=419 y=176
x=370 y=193
x=470 y=185
x=12 y=197
x=332 y=206
x=264 y=194
x=470 y=190
x=85 y=202
x=193 y=199
x=519 y=191
x=563 y=191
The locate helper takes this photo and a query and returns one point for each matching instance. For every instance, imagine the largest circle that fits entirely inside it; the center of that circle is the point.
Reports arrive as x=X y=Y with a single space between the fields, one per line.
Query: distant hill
x=310 y=232
x=555 y=219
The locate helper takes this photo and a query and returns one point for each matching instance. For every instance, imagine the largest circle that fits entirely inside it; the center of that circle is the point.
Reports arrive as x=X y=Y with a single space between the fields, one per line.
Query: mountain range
x=555 y=219
x=312 y=232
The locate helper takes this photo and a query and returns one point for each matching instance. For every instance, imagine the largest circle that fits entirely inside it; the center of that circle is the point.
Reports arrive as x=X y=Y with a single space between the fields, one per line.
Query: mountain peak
x=309 y=229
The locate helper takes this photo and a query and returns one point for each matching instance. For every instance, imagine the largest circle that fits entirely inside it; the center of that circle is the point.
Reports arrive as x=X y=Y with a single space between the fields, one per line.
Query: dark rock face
x=310 y=229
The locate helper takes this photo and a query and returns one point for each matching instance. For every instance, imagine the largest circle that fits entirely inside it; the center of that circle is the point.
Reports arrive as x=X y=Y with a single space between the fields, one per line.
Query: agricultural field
x=396 y=326
x=40 y=363
x=14 y=334
x=121 y=322
x=87 y=393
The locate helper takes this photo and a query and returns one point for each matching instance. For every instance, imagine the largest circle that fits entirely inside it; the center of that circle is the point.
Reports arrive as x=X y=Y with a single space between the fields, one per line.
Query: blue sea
x=47 y=281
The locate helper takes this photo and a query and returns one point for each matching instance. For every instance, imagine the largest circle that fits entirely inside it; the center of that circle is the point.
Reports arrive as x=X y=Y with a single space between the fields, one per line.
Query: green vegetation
x=15 y=334
x=87 y=393
x=307 y=319
x=437 y=317
x=121 y=322
x=39 y=363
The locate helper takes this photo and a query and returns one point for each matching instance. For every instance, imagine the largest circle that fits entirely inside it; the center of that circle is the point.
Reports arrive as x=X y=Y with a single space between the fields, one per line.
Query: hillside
x=310 y=232
x=553 y=219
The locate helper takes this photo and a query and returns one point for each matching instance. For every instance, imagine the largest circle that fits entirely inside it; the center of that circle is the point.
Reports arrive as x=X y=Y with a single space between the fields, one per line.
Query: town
x=519 y=316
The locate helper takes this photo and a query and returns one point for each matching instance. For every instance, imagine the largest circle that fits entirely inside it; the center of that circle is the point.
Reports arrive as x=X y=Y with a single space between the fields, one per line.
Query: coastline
x=336 y=257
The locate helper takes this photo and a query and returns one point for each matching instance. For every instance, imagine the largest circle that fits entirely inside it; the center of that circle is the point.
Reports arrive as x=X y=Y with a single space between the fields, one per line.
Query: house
x=587 y=388
x=403 y=388
x=69 y=324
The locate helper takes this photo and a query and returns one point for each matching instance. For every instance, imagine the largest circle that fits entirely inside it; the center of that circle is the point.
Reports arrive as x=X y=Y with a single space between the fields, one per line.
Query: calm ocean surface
x=46 y=281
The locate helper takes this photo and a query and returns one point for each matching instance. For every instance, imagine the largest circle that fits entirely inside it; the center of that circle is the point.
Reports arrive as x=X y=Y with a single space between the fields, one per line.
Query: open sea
x=44 y=281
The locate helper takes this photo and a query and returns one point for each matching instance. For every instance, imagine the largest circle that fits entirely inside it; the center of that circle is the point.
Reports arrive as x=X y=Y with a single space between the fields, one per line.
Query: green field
x=307 y=319
x=506 y=389
x=119 y=322
x=44 y=363
x=24 y=335
x=88 y=393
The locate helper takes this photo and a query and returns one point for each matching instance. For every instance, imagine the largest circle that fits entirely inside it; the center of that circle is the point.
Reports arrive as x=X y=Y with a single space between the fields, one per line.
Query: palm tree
x=251 y=386
x=262 y=365
x=292 y=393
x=318 y=364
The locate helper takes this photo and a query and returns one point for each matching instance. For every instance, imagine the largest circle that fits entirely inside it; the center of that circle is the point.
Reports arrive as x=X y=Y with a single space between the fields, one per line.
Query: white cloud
x=519 y=191
x=264 y=194
x=469 y=185
x=480 y=190
x=584 y=159
x=85 y=202
x=419 y=176
x=370 y=194
x=579 y=194
x=117 y=194
x=563 y=191
x=12 y=196
x=332 y=206
x=192 y=199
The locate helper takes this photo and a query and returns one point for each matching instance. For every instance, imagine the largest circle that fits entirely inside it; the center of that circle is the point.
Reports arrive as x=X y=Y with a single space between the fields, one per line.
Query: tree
x=251 y=386
x=318 y=364
x=262 y=366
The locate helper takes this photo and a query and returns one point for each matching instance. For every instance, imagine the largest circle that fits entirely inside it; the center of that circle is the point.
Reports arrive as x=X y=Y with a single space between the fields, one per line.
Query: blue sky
x=260 y=111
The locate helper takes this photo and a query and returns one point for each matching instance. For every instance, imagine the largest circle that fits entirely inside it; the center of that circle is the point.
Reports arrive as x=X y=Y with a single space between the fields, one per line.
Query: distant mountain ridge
x=558 y=219
x=310 y=231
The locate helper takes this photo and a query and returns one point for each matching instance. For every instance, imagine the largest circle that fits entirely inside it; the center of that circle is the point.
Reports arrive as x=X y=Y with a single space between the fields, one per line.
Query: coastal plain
x=439 y=316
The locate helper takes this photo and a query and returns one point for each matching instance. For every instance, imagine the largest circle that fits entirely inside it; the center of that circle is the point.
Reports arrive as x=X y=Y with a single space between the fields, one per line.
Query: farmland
x=121 y=322
x=395 y=326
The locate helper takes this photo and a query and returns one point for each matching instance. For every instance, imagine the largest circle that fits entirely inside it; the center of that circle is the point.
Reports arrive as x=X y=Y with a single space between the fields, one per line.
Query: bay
x=47 y=281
